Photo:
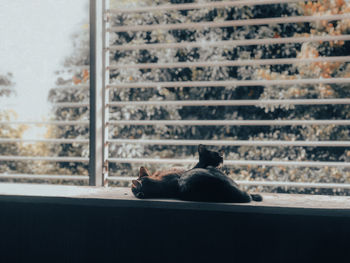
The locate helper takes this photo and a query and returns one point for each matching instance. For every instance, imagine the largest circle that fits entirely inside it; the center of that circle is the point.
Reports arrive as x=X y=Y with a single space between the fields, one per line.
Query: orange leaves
x=326 y=90
x=328 y=7
x=276 y=35
x=339 y=3
x=76 y=80
x=319 y=69
x=86 y=75
x=328 y=68
x=323 y=6
x=295 y=92
x=311 y=8
x=266 y=74
x=322 y=9
x=325 y=75
x=81 y=78
x=315 y=53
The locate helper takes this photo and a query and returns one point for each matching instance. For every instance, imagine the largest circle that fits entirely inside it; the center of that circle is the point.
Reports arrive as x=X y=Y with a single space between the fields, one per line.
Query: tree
x=10 y=131
x=72 y=83
x=313 y=70
x=163 y=55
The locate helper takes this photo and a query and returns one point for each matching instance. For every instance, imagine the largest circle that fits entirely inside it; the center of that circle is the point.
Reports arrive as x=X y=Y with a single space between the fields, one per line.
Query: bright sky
x=34 y=41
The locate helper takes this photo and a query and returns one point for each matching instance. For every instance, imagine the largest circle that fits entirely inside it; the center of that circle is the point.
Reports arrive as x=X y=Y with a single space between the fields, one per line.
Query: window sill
x=122 y=197
x=97 y=224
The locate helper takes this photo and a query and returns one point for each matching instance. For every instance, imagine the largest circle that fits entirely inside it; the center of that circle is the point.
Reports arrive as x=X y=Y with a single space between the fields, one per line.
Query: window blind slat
x=231 y=162
x=43 y=158
x=44 y=177
x=225 y=83
x=230 y=23
x=229 y=122
x=60 y=123
x=233 y=63
x=230 y=102
x=231 y=43
x=217 y=4
x=61 y=141
x=228 y=83
x=231 y=142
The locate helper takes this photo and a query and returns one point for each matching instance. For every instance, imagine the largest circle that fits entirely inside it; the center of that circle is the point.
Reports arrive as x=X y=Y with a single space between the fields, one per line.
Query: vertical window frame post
x=97 y=92
x=106 y=25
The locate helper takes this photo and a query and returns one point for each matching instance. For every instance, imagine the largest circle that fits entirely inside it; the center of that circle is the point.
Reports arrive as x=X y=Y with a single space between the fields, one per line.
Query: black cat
x=209 y=158
x=206 y=184
x=206 y=158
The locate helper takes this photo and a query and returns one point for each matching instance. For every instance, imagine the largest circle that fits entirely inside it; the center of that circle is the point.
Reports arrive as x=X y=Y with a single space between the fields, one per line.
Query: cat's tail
x=256 y=197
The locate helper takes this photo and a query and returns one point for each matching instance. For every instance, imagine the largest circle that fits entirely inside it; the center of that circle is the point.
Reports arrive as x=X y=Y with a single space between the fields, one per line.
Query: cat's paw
x=256 y=197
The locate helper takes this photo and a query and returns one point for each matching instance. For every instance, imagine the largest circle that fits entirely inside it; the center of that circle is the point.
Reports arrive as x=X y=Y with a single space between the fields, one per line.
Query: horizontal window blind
x=172 y=66
x=265 y=80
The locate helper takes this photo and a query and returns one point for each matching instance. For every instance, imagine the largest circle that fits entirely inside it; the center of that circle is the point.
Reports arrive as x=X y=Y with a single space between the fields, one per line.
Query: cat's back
x=173 y=172
x=206 y=185
x=200 y=174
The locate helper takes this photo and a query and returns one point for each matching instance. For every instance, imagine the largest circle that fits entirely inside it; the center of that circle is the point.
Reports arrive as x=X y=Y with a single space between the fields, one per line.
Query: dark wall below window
x=40 y=229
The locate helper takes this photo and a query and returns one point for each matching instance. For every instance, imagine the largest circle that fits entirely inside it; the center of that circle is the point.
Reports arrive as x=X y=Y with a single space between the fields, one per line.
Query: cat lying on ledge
x=203 y=183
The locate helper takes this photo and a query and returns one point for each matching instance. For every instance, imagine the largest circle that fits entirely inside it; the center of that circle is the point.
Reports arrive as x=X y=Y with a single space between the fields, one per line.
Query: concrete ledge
x=113 y=196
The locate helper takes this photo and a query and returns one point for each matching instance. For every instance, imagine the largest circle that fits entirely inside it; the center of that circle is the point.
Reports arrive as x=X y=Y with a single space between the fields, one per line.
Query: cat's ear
x=201 y=148
x=136 y=184
x=143 y=172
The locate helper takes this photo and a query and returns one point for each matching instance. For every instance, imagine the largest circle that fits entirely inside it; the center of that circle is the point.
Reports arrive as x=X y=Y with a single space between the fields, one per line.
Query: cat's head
x=210 y=158
x=137 y=185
